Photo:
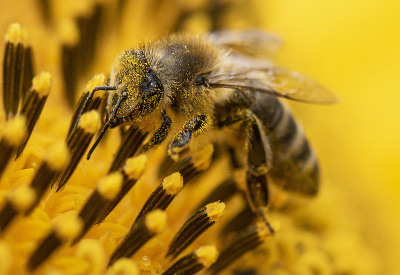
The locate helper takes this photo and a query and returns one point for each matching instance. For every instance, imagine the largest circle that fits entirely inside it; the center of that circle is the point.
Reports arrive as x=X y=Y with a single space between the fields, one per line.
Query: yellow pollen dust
x=156 y=221
x=42 y=83
x=173 y=183
x=97 y=80
x=110 y=185
x=14 y=34
x=134 y=167
x=57 y=156
x=123 y=266
x=15 y=131
x=207 y=255
x=90 y=122
x=67 y=225
x=215 y=210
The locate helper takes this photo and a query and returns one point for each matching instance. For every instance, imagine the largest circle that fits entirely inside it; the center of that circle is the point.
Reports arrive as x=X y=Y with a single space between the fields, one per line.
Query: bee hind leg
x=193 y=126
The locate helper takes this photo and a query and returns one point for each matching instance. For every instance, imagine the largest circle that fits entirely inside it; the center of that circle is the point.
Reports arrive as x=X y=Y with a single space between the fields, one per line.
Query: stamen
x=78 y=47
x=195 y=226
x=107 y=189
x=89 y=22
x=245 y=241
x=141 y=231
x=201 y=258
x=70 y=37
x=78 y=142
x=44 y=250
x=66 y=226
x=164 y=194
x=17 y=201
x=33 y=104
x=132 y=171
x=13 y=65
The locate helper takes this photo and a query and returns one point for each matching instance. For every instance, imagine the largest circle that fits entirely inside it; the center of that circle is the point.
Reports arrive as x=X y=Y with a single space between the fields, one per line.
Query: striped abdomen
x=294 y=165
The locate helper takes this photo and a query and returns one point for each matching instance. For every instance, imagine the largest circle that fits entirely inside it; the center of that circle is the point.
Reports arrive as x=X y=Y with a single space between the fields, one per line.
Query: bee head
x=134 y=91
x=137 y=83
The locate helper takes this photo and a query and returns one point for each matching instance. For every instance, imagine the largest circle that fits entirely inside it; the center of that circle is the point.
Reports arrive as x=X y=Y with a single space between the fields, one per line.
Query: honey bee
x=226 y=85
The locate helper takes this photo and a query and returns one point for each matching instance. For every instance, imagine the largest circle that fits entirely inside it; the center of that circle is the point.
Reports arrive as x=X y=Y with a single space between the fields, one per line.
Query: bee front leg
x=159 y=136
x=193 y=126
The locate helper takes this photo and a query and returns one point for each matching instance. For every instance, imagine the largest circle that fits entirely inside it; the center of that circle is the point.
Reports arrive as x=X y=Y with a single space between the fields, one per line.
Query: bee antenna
x=107 y=125
x=103 y=131
x=95 y=89
x=89 y=99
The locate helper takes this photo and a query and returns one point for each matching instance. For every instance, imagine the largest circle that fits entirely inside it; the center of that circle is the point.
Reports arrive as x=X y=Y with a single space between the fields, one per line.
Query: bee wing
x=275 y=81
x=253 y=43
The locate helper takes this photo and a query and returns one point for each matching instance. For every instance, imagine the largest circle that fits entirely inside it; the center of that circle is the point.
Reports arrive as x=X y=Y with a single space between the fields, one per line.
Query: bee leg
x=159 y=136
x=258 y=161
x=259 y=157
x=193 y=126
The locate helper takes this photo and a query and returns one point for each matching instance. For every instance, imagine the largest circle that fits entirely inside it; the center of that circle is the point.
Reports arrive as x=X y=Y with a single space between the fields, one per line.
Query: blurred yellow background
x=353 y=48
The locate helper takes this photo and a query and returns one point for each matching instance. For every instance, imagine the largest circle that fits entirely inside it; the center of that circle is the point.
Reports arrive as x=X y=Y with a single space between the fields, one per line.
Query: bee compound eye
x=152 y=84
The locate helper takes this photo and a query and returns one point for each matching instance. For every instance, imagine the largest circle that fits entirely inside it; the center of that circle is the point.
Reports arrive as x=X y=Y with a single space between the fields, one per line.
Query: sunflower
x=122 y=212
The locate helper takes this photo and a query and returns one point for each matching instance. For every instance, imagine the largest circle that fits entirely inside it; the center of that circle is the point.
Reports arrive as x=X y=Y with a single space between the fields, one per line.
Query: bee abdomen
x=294 y=164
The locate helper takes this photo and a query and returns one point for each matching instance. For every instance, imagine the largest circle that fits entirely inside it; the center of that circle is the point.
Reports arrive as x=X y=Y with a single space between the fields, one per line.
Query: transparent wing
x=275 y=81
x=253 y=43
